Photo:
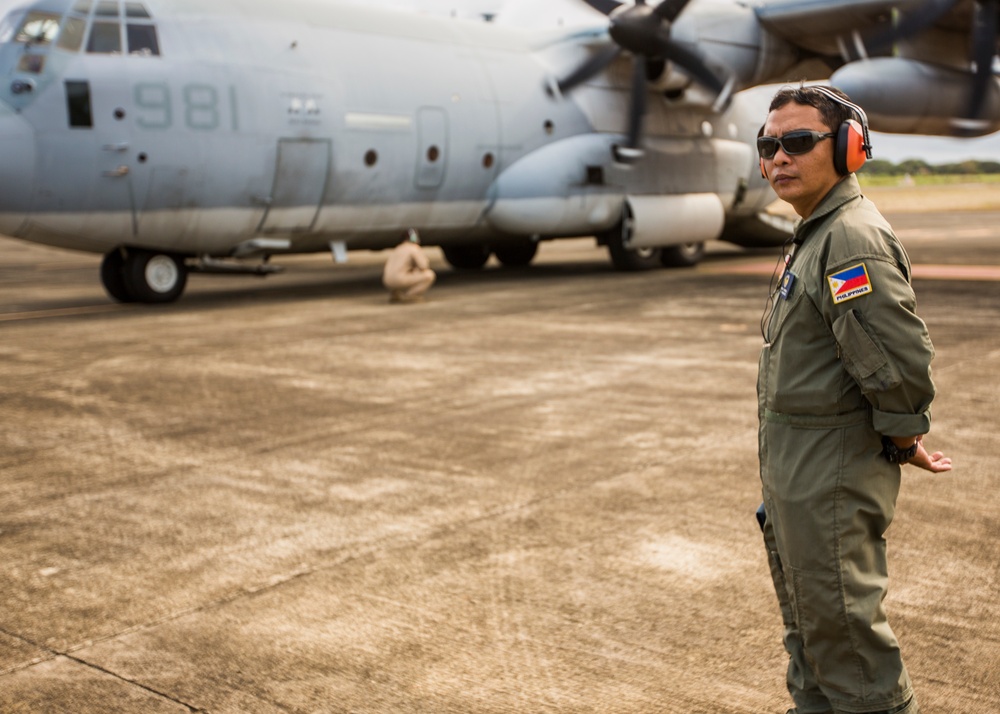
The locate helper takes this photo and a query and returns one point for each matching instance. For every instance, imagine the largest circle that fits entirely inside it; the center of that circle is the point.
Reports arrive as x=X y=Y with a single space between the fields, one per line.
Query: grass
x=928 y=180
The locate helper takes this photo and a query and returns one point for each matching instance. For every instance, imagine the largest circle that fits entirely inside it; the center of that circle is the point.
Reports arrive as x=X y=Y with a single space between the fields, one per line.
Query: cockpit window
x=38 y=28
x=105 y=38
x=71 y=37
x=107 y=8
x=136 y=9
x=99 y=26
x=142 y=40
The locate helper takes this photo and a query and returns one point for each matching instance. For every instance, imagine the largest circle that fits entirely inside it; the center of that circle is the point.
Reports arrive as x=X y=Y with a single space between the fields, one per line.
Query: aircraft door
x=113 y=185
x=432 y=147
x=301 y=174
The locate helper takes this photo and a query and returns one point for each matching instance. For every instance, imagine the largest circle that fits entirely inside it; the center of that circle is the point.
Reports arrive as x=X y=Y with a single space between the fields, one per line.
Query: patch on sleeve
x=849 y=284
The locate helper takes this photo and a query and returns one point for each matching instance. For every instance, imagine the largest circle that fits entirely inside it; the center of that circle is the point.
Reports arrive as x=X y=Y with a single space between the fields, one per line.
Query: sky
x=934 y=149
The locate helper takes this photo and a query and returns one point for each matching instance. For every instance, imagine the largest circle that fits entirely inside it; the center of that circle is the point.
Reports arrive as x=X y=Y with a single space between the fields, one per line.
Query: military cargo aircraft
x=178 y=136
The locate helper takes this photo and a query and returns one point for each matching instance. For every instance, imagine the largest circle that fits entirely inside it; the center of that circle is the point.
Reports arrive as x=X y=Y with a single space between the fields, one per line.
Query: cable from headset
x=783 y=264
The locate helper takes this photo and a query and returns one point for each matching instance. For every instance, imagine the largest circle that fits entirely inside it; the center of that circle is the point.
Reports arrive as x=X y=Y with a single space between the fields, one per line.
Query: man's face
x=801 y=180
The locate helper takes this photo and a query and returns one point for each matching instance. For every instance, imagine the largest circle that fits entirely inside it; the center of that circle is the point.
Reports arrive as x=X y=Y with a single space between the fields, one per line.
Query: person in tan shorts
x=407 y=274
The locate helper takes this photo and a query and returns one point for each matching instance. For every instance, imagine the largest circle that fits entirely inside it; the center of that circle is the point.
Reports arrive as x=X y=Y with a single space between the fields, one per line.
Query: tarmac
x=532 y=493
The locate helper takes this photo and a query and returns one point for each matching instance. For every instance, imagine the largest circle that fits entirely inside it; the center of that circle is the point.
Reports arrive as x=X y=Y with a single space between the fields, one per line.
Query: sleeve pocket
x=863 y=359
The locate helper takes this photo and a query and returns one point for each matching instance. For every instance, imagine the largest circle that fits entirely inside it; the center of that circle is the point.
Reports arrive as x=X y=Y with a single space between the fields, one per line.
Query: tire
x=686 y=255
x=113 y=277
x=516 y=255
x=154 y=277
x=630 y=259
x=466 y=257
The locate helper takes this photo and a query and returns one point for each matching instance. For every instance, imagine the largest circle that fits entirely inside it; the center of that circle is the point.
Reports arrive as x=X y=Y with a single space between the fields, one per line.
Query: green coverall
x=846 y=360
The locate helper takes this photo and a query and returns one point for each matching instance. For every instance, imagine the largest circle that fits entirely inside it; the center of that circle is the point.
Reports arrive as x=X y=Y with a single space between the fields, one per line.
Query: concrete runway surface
x=532 y=493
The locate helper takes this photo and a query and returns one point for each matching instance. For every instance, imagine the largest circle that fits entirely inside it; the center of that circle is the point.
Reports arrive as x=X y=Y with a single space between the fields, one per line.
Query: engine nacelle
x=903 y=96
x=656 y=221
x=547 y=192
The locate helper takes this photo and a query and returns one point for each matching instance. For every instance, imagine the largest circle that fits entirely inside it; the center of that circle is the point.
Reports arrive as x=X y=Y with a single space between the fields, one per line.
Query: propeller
x=985 y=29
x=644 y=31
x=986 y=24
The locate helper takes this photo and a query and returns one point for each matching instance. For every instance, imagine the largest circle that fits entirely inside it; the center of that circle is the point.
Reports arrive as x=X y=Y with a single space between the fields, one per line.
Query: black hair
x=833 y=113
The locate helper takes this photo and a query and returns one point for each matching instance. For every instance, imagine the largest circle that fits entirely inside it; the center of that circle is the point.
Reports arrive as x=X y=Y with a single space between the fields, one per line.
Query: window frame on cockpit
x=96 y=27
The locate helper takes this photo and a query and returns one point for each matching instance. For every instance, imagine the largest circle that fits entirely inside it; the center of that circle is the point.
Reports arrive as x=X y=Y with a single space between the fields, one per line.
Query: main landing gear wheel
x=113 y=278
x=143 y=276
x=682 y=256
x=466 y=257
x=517 y=254
x=623 y=257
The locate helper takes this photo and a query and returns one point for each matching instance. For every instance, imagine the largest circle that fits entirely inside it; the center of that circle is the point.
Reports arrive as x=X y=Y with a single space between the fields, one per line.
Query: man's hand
x=935 y=463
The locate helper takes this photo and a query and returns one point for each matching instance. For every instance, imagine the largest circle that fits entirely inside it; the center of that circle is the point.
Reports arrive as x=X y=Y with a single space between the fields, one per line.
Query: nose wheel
x=133 y=275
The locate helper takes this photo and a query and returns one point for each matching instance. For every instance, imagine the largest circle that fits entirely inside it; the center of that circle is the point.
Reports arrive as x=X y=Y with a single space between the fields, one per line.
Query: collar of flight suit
x=844 y=191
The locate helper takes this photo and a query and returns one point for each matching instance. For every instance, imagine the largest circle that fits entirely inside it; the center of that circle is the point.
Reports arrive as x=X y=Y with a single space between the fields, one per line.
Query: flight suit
x=846 y=360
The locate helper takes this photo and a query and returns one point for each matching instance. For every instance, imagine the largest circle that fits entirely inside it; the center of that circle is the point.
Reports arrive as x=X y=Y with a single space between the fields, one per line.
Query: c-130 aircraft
x=177 y=136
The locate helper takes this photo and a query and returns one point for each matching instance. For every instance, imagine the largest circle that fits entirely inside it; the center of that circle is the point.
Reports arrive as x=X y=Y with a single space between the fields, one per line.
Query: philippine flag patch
x=849 y=284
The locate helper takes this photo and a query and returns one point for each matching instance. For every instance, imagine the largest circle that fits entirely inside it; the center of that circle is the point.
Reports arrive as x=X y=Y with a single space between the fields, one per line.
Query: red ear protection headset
x=852 y=145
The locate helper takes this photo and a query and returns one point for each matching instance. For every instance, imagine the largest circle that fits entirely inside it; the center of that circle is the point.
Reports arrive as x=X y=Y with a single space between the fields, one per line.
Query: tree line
x=919 y=167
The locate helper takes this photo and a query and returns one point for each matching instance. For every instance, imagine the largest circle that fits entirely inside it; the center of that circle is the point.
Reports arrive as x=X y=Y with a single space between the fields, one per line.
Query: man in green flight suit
x=844 y=393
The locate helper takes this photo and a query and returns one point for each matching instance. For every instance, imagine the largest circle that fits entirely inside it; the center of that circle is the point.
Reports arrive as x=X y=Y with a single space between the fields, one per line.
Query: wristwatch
x=895 y=455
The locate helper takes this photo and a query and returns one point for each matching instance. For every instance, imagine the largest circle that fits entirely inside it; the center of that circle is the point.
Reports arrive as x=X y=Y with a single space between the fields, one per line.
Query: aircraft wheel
x=516 y=255
x=154 y=277
x=630 y=258
x=113 y=277
x=466 y=257
x=682 y=256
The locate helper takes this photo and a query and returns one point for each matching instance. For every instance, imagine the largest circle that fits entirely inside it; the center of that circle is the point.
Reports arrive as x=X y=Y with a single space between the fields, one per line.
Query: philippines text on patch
x=850 y=283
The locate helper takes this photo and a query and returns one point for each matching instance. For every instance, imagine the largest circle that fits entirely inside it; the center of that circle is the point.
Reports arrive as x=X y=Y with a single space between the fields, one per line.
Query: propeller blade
x=590 y=68
x=669 y=9
x=693 y=64
x=984 y=47
x=605 y=7
x=637 y=110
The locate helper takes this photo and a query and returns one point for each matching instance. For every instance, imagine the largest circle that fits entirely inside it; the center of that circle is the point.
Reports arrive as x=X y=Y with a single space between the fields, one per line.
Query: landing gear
x=682 y=256
x=466 y=257
x=112 y=269
x=516 y=255
x=133 y=275
x=623 y=257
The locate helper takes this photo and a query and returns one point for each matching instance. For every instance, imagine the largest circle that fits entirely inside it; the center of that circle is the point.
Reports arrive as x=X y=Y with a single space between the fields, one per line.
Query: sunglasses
x=800 y=141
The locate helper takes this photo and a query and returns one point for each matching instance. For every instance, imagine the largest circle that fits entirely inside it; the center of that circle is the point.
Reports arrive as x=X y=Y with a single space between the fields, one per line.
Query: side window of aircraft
x=78 y=104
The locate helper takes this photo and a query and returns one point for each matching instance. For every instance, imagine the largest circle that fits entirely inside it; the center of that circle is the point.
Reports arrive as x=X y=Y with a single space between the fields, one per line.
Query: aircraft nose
x=17 y=169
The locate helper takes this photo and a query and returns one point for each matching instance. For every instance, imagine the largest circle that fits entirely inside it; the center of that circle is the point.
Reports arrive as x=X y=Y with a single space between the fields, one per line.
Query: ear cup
x=849 y=154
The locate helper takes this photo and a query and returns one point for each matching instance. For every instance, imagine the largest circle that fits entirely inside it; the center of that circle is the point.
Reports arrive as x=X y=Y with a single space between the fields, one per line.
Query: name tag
x=787 y=283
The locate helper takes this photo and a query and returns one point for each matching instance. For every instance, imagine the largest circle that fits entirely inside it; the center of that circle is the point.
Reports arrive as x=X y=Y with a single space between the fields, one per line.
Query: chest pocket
x=862 y=356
